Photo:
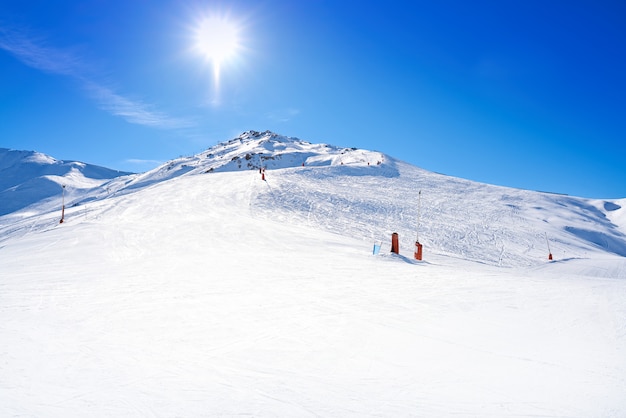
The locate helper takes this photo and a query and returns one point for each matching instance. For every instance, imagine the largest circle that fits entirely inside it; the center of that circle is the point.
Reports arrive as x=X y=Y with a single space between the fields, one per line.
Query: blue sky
x=528 y=94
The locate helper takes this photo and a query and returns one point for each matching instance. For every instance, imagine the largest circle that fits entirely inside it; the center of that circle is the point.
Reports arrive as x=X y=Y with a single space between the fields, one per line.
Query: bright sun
x=217 y=40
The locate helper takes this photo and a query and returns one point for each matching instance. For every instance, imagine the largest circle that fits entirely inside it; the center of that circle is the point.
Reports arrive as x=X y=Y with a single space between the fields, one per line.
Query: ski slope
x=195 y=292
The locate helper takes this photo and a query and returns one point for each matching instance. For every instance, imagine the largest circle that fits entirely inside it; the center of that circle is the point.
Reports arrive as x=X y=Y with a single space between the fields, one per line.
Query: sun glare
x=217 y=40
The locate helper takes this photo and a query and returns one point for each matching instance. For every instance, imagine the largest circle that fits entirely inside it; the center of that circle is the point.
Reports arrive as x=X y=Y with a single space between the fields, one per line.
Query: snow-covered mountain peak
x=257 y=148
x=253 y=150
x=269 y=146
x=265 y=136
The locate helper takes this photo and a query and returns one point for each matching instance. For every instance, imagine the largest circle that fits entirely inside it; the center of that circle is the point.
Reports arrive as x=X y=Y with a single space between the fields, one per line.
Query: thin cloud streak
x=133 y=111
x=35 y=54
x=32 y=53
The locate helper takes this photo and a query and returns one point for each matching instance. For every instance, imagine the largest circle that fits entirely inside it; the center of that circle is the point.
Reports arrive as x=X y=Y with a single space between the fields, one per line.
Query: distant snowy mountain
x=28 y=177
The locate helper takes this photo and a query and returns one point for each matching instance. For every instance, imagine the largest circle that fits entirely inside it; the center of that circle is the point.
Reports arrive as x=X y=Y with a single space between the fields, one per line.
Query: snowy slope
x=28 y=177
x=196 y=292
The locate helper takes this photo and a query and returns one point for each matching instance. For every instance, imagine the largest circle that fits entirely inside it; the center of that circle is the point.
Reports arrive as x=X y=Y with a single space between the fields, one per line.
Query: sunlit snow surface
x=214 y=293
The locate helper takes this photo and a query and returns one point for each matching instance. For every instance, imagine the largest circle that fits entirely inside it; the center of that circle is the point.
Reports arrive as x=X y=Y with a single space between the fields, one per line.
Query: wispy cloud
x=133 y=111
x=35 y=52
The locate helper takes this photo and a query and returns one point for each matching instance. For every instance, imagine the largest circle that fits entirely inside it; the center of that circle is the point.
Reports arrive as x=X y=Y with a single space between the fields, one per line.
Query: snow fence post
x=395 y=247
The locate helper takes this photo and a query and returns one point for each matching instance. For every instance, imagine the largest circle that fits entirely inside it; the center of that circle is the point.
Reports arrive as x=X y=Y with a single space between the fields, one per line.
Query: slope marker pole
x=548 y=242
x=63 y=206
x=418 y=246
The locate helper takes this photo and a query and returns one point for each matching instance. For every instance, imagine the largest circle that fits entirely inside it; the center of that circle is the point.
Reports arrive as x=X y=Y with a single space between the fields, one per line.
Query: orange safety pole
x=395 y=246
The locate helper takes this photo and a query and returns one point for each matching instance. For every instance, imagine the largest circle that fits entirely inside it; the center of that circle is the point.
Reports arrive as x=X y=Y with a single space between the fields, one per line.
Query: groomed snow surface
x=218 y=294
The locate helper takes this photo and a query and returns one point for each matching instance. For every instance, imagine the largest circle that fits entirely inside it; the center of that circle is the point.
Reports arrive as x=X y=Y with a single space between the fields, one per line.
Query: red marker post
x=395 y=246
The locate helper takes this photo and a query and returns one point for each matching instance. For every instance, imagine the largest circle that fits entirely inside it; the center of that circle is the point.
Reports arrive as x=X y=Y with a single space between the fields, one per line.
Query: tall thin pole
x=548 y=243
x=419 y=215
x=418 y=246
x=63 y=206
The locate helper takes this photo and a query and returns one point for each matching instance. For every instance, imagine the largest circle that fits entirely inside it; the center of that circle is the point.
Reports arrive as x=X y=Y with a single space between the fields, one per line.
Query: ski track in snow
x=220 y=294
